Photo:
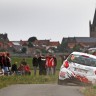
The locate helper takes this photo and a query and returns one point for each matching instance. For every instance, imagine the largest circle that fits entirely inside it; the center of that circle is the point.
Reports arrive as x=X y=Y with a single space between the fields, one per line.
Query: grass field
x=29 y=61
x=31 y=79
x=89 y=91
x=9 y=80
x=28 y=79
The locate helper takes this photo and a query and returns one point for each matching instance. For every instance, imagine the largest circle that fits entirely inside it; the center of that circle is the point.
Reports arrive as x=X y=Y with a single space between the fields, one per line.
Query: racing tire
x=61 y=82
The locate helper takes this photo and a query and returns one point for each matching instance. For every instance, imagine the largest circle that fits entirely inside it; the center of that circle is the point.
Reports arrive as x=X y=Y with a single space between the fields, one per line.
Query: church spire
x=94 y=20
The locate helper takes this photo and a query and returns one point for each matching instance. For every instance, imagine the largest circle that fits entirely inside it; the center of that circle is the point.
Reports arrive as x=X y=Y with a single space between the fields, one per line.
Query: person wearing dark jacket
x=35 y=64
x=1 y=64
x=14 y=69
x=8 y=61
x=4 y=62
x=55 y=64
x=42 y=65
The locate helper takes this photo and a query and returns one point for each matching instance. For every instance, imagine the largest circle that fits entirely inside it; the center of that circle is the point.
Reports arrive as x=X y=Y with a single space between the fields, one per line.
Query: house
x=54 y=44
x=84 y=42
x=41 y=43
x=4 y=41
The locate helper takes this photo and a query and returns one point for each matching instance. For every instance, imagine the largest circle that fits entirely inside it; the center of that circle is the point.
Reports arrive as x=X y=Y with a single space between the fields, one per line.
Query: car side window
x=78 y=59
x=93 y=63
x=73 y=58
x=81 y=59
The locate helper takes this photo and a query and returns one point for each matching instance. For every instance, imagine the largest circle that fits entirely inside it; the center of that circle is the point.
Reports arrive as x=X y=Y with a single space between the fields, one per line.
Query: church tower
x=93 y=26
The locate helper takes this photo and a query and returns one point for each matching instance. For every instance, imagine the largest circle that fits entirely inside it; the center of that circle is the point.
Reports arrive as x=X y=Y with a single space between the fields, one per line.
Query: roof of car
x=86 y=54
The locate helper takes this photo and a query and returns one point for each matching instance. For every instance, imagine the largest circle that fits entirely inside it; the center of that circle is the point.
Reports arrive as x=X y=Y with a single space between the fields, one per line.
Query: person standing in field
x=50 y=65
x=23 y=61
x=1 y=63
x=42 y=64
x=35 y=64
x=55 y=64
x=1 y=71
x=4 y=62
x=8 y=61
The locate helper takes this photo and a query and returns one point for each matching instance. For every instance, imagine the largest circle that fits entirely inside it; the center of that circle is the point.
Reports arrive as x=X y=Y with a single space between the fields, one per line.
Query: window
x=82 y=59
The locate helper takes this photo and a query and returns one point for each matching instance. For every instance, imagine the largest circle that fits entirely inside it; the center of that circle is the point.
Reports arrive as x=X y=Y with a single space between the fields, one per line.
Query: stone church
x=93 y=26
x=84 y=42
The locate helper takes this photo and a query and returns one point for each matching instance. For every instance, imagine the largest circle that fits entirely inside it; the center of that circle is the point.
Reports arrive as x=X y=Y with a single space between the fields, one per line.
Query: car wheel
x=61 y=82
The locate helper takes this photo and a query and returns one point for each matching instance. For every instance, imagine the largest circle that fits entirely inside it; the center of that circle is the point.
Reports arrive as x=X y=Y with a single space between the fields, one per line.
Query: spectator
x=27 y=69
x=14 y=69
x=55 y=64
x=4 y=62
x=42 y=62
x=50 y=65
x=23 y=61
x=1 y=71
x=21 y=69
x=8 y=61
x=1 y=63
x=35 y=63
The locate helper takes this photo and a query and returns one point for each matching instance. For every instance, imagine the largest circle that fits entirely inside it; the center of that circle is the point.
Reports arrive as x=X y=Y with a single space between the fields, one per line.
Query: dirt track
x=40 y=90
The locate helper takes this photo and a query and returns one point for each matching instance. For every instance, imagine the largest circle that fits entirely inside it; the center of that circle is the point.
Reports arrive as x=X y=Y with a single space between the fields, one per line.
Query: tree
x=30 y=45
x=32 y=39
x=76 y=47
x=24 y=50
x=63 y=46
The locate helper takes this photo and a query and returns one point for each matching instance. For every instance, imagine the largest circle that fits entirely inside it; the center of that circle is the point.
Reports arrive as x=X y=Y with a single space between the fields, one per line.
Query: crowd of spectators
x=5 y=63
x=6 y=68
x=45 y=64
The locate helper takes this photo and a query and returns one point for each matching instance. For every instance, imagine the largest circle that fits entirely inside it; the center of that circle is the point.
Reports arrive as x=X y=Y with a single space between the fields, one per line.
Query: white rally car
x=78 y=68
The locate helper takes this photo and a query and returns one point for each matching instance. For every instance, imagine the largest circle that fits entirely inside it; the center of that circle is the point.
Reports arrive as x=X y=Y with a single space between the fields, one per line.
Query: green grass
x=18 y=60
x=29 y=61
x=89 y=91
x=9 y=80
x=31 y=79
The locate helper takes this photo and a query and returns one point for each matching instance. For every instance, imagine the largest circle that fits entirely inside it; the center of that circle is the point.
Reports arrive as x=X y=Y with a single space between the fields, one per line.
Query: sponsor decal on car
x=62 y=74
x=83 y=79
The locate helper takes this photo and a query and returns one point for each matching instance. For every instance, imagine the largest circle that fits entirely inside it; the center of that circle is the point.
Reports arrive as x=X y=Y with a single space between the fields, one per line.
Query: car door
x=82 y=65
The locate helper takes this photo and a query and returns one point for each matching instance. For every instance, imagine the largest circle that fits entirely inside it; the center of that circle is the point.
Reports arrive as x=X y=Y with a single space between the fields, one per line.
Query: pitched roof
x=16 y=43
x=10 y=44
x=23 y=43
x=54 y=43
x=86 y=39
x=42 y=42
x=82 y=39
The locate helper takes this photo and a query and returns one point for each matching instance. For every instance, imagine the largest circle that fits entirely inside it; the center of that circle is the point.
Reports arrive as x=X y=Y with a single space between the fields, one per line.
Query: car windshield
x=82 y=59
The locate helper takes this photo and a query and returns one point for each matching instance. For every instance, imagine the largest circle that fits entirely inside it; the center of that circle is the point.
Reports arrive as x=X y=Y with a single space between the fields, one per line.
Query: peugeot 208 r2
x=78 y=68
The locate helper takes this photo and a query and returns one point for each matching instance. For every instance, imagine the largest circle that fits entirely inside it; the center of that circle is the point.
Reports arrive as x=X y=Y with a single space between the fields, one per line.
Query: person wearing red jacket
x=27 y=69
x=50 y=65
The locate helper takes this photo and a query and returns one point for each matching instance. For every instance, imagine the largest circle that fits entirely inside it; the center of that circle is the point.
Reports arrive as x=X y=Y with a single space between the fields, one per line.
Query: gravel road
x=40 y=90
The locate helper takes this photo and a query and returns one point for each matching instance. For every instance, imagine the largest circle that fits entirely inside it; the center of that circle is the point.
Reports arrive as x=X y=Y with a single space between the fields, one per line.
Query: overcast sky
x=46 y=19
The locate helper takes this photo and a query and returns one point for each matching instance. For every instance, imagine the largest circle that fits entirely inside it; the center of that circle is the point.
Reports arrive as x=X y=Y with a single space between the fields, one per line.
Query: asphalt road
x=40 y=90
